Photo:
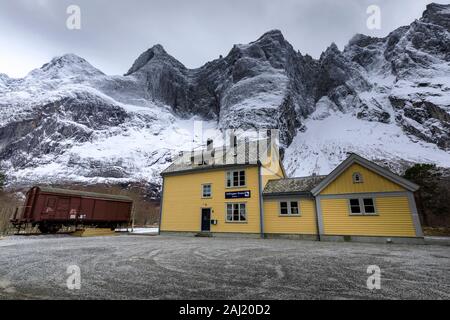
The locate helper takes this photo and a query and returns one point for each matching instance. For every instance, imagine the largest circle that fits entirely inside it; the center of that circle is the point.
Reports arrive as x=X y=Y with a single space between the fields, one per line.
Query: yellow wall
x=303 y=224
x=268 y=173
x=394 y=218
x=182 y=202
x=372 y=182
x=271 y=168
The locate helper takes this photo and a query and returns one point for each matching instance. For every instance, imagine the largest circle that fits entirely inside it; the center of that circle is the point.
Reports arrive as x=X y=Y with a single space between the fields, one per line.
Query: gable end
x=354 y=158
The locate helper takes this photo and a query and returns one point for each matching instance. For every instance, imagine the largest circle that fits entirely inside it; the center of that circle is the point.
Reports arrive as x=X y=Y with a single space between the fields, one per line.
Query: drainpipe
x=261 y=206
x=132 y=217
x=161 y=207
x=318 y=217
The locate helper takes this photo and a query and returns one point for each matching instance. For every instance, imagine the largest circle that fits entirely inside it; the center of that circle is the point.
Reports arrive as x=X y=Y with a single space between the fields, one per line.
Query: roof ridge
x=204 y=147
x=292 y=178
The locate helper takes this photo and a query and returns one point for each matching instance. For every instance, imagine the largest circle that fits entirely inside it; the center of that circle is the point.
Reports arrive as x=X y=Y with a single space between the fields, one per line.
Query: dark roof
x=216 y=158
x=84 y=194
x=292 y=186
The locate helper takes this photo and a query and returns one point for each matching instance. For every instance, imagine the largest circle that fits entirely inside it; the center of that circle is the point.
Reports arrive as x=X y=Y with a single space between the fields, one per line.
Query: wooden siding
x=303 y=224
x=393 y=218
x=182 y=202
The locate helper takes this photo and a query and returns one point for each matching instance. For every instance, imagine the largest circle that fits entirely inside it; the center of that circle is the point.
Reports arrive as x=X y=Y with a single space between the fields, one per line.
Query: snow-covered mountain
x=387 y=99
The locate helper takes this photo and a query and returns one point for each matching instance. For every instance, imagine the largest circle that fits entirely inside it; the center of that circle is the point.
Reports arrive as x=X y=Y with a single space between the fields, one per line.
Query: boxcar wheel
x=43 y=229
x=54 y=229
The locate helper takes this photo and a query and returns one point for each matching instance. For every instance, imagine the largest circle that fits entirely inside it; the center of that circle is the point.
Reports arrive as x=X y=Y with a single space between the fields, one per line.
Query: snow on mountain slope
x=330 y=136
x=68 y=122
x=132 y=152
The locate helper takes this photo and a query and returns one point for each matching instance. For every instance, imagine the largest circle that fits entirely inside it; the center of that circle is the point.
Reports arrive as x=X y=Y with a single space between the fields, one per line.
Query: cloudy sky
x=114 y=33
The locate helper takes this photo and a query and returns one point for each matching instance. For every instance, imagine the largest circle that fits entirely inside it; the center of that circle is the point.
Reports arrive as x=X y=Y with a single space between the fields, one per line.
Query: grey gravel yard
x=169 y=267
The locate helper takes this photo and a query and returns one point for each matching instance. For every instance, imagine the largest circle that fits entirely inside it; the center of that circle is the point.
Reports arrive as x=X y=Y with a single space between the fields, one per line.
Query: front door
x=206 y=219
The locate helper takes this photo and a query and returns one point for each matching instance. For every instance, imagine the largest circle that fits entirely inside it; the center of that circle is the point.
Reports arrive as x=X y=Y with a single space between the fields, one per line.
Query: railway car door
x=62 y=209
x=87 y=209
x=75 y=204
x=49 y=209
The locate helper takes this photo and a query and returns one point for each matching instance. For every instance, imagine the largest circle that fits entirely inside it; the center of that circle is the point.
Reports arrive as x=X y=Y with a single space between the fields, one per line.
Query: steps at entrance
x=204 y=234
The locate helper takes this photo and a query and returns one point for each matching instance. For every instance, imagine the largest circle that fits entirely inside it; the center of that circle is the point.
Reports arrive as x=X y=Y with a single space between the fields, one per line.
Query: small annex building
x=243 y=189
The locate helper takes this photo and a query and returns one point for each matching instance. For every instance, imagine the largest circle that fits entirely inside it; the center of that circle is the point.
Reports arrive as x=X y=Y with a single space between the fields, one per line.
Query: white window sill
x=289 y=215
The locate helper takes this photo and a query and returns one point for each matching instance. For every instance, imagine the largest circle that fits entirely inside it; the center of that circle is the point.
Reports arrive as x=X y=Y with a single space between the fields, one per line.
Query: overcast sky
x=114 y=33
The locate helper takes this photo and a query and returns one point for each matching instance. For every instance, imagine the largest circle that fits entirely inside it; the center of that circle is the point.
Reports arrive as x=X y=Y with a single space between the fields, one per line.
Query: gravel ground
x=169 y=267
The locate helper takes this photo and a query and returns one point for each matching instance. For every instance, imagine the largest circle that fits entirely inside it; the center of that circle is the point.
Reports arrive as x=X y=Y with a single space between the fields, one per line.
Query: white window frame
x=362 y=207
x=361 y=180
x=239 y=204
x=229 y=175
x=210 y=191
x=289 y=208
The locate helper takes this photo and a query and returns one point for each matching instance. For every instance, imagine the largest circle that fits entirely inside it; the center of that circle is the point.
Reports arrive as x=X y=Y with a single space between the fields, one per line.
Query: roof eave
x=209 y=168
x=287 y=194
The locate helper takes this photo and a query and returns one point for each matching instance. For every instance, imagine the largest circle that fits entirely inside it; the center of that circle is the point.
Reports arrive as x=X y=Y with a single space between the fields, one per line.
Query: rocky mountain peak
x=4 y=76
x=272 y=35
x=156 y=54
x=331 y=50
x=362 y=40
x=67 y=65
x=437 y=14
x=4 y=79
x=64 y=61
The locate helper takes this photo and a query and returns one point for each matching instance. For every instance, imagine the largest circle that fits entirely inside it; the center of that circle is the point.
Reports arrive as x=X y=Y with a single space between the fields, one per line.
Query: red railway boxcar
x=51 y=208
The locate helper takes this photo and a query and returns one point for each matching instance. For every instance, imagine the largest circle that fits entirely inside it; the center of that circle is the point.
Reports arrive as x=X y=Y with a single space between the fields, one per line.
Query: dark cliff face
x=261 y=82
x=437 y=14
x=418 y=57
x=268 y=83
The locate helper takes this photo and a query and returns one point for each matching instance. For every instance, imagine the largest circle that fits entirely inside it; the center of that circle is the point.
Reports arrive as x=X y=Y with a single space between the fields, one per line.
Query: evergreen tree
x=433 y=194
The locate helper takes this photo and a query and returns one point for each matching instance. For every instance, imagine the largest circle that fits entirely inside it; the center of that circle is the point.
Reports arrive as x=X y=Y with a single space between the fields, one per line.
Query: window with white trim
x=206 y=190
x=236 y=212
x=236 y=178
x=369 y=206
x=357 y=177
x=362 y=206
x=355 y=208
x=289 y=208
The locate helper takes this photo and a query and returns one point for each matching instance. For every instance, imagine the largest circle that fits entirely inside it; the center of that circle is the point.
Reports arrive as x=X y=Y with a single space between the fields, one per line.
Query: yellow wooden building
x=243 y=189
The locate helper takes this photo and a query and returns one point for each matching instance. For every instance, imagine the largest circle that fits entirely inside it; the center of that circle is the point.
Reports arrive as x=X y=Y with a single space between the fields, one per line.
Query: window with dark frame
x=236 y=179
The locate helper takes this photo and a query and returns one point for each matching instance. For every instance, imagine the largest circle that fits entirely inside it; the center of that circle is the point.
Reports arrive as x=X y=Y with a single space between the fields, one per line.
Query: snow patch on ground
x=139 y=230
